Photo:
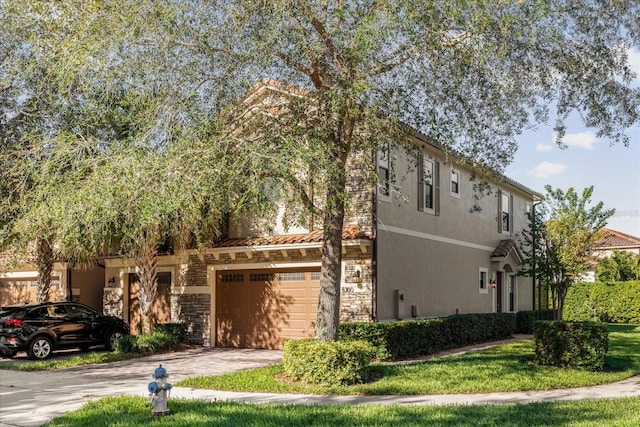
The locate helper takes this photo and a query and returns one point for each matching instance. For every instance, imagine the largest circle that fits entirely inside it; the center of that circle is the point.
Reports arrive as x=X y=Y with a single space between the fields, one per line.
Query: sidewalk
x=626 y=388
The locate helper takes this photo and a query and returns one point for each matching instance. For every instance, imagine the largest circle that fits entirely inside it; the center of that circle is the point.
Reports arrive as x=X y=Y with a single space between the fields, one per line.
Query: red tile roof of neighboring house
x=616 y=239
x=350 y=232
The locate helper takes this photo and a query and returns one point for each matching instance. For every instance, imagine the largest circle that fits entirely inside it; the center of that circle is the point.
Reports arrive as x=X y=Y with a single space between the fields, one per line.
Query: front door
x=499 y=290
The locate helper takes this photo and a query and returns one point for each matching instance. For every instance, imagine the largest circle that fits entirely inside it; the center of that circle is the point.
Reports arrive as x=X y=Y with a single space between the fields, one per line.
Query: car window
x=80 y=312
x=56 y=311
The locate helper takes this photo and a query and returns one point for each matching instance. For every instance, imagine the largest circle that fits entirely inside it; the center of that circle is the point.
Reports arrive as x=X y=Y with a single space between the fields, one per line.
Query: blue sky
x=613 y=170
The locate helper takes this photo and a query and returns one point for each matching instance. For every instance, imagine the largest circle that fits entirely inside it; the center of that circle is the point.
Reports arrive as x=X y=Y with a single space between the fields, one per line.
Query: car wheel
x=39 y=348
x=113 y=338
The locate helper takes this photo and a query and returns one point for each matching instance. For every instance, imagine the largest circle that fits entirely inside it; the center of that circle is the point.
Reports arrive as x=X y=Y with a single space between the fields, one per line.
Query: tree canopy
x=470 y=75
x=559 y=241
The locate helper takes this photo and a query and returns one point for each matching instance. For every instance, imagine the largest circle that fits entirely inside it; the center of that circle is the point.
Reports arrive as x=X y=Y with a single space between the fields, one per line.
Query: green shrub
x=526 y=319
x=617 y=302
x=413 y=338
x=330 y=363
x=158 y=341
x=176 y=330
x=571 y=344
x=127 y=344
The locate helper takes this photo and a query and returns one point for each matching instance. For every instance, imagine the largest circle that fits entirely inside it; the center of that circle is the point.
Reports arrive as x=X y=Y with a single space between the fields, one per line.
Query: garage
x=264 y=308
x=18 y=290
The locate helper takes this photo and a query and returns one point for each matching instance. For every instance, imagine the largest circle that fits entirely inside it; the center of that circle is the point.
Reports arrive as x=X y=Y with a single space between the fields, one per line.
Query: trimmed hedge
x=617 y=302
x=329 y=363
x=526 y=319
x=160 y=340
x=413 y=338
x=571 y=344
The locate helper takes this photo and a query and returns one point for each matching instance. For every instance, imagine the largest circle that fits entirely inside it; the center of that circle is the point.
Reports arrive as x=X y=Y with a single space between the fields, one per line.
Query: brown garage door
x=21 y=290
x=263 y=308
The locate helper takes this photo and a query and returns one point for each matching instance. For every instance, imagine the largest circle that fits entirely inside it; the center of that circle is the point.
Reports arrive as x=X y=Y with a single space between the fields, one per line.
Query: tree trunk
x=44 y=263
x=147 y=263
x=331 y=266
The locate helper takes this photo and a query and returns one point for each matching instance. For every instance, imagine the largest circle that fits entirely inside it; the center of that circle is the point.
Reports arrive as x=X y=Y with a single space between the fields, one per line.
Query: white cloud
x=584 y=140
x=634 y=62
x=547 y=169
x=544 y=148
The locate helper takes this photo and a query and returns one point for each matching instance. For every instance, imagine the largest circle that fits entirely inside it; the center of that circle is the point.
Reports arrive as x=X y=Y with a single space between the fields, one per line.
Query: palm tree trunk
x=44 y=263
x=147 y=263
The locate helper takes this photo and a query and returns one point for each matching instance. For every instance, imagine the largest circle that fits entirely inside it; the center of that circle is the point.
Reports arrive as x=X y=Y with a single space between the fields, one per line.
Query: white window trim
x=451 y=192
x=385 y=162
x=432 y=179
x=509 y=212
x=484 y=270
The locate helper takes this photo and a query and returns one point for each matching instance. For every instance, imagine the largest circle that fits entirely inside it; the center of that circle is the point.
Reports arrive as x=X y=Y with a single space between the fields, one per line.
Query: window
x=384 y=173
x=511 y=293
x=428 y=191
x=454 y=188
x=505 y=213
x=483 y=280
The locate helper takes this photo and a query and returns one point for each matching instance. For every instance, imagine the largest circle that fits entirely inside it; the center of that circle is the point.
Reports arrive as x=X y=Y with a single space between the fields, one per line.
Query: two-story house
x=421 y=246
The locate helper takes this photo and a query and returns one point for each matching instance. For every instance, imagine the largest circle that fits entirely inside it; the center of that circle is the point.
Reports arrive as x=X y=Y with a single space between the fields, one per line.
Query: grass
x=502 y=368
x=136 y=411
x=61 y=362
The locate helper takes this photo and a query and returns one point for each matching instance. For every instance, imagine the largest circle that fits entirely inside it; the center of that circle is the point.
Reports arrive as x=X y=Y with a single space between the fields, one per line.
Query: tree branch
x=324 y=36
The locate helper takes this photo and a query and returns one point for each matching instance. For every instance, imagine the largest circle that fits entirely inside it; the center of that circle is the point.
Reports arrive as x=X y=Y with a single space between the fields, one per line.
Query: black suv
x=43 y=327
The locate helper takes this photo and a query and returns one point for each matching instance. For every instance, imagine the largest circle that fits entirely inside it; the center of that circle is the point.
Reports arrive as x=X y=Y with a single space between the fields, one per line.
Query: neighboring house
x=416 y=247
x=612 y=240
x=19 y=284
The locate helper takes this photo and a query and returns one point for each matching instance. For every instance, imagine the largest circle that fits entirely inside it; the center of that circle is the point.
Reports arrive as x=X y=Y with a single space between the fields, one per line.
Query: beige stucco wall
x=87 y=286
x=435 y=259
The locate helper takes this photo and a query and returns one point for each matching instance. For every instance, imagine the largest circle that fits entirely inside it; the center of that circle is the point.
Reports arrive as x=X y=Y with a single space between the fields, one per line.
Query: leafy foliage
x=614 y=302
x=571 y=344
x=407 y=339
x=526 y=319
x=330 y=363
x=137 y=77
x=559 y=240
x=619 y=267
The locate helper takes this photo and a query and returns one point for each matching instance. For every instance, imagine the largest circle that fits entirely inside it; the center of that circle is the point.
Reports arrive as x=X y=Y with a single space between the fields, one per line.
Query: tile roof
x=350 y=232
x=616 y=239
x=504 y=248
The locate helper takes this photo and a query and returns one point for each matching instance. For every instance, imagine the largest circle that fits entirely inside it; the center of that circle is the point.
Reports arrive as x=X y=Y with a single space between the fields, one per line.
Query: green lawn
x=59 y=362
x=136 y=411
x=506 y=367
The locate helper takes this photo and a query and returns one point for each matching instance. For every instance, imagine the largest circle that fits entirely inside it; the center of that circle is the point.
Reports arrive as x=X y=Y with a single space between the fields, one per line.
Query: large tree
x=560 y=239
x=468 y=74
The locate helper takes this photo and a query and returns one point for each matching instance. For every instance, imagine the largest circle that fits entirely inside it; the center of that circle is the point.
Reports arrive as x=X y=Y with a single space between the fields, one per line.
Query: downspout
x=374 y=254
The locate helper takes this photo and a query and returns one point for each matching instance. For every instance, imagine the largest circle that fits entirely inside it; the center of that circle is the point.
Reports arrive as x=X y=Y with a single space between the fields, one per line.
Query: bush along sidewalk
x=414 y=338
x=563 y=344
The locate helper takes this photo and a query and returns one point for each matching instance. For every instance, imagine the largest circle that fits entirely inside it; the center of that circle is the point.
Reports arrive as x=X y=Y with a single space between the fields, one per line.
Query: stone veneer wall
x=360 y=187
x=195 y=309
x=112 y=302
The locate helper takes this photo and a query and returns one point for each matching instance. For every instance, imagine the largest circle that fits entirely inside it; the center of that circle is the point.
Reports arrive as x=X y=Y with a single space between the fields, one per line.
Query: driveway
x=33 y=398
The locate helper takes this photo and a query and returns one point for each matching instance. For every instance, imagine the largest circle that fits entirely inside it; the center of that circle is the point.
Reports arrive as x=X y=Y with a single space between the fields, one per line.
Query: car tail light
x=14 y=322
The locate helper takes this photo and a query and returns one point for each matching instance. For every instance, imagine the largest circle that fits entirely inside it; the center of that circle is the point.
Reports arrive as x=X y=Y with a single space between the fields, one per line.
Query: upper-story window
x=429 y=185
x=454 y=185
x=505 y=213
x=384 y=173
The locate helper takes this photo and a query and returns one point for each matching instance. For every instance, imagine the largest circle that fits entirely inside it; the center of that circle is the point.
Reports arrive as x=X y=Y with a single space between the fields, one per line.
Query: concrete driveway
x=33 y=398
